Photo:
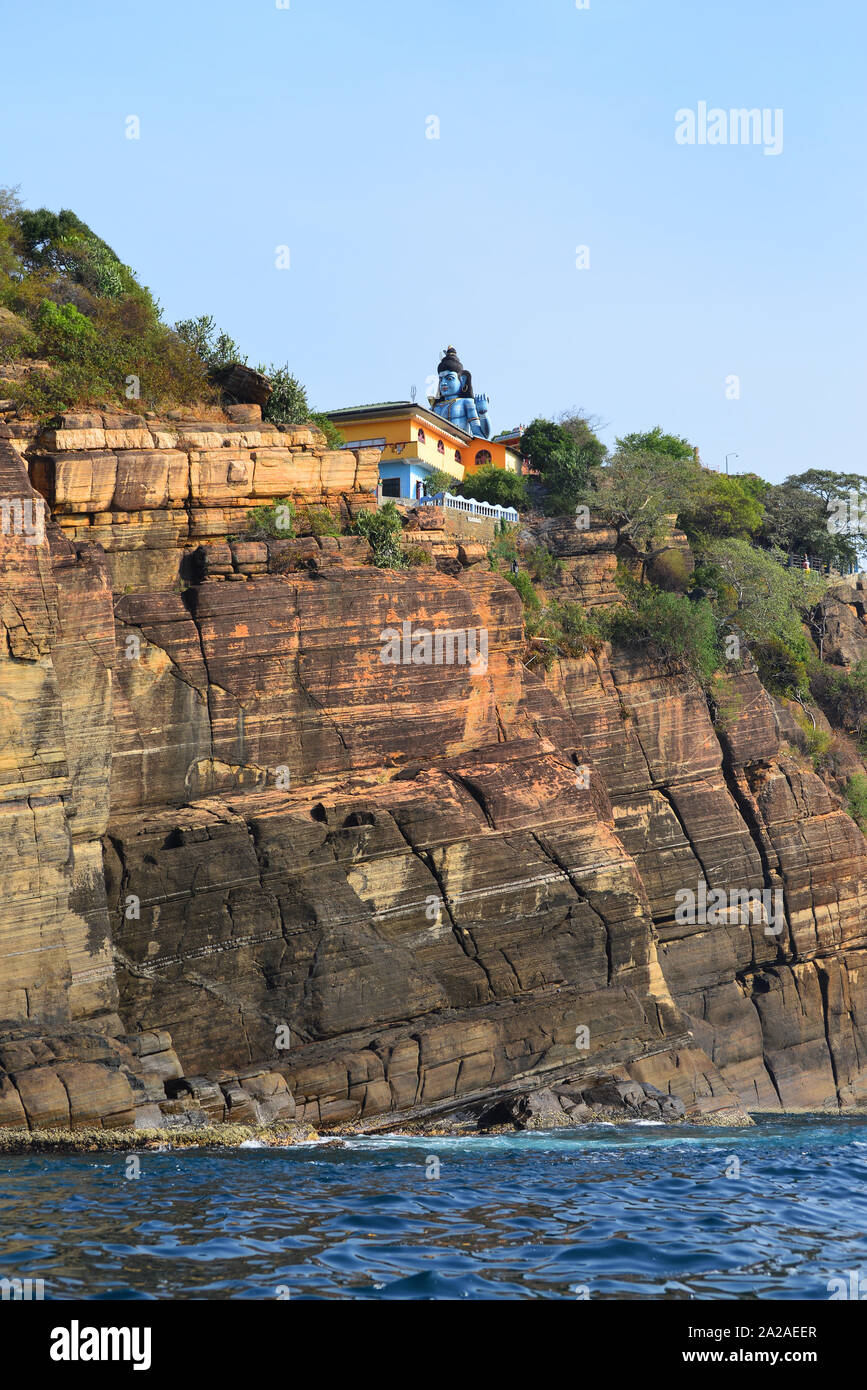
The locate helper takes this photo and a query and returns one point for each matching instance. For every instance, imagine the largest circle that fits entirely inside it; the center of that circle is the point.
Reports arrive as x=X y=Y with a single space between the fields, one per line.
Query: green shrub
x=504 y=547
x=671 y=570
x=579 y=631
x=277 y=519
x=64 y=332
x=321 y=522
x=418 y=555
x=287 y=404
x=383 y=529
x=524 y=584
x=856 y=800
x=545 y=635
x=84 y=312
x=333 y=438
x=543 y=566
x=781 y=665
x=215 y=349
x=17 y=339
x=681 y=633
x=817 y=745
x=496 y=487
x=438 y=480
x=726 y=699
x=843 y=695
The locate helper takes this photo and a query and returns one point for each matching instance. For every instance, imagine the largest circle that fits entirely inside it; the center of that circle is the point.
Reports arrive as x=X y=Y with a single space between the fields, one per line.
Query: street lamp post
x=730 y=456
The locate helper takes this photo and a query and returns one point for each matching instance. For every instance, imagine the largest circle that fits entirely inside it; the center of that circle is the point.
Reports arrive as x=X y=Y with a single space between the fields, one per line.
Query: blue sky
x=306 y=127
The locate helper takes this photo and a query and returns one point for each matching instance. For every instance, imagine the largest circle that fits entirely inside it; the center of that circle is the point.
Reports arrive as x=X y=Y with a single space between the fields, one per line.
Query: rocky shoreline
x=555 y=1107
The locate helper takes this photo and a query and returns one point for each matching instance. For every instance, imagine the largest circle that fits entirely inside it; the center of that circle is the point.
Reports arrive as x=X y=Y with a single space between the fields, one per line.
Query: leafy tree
x=640 y=494
x=655 y=442
x=215 y=349
x=837 y=488
x=496 y=487
x=61 y=242
x=760 y=601
x=564 y=454
x=584 y=430
x=287 y=404
x=719 y=505
x=796 y=521
x=438 y=480
x=826 y=483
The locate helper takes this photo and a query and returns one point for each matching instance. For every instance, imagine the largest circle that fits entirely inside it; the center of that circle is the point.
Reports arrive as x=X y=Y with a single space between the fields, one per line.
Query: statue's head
x=453 y=379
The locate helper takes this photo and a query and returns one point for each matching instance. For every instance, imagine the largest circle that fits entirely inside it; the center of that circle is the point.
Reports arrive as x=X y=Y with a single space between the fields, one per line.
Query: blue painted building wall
x=409 y=474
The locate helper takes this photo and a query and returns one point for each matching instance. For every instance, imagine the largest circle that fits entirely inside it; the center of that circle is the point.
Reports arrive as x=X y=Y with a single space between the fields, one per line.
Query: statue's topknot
x=451 y=362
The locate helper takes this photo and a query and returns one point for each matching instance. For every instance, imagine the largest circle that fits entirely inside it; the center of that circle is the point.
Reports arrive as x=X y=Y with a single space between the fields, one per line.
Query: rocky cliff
x=253 y=868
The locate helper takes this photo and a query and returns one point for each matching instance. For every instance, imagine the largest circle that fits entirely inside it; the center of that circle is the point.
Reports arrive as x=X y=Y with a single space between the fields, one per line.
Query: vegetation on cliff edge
x=77 y=328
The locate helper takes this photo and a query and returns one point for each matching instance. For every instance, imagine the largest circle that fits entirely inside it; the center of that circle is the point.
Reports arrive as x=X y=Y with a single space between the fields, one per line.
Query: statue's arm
x=480 y=408
x=476 y=424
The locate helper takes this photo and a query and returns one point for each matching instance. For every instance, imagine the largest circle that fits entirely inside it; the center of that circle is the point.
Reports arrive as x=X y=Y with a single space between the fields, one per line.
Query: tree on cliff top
x=84 y=312
x=640 y=493
x=215 y=349
x=564 y=453
x=654 y=441
x=75 y=305
x=760 y=601
x=796 y=518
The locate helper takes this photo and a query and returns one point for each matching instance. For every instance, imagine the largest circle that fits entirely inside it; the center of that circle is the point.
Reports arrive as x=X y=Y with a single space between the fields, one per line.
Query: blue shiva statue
x=456 y=402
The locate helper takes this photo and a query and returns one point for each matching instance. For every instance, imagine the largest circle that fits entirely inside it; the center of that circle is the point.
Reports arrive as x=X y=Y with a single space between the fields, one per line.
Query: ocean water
x=610 y=1212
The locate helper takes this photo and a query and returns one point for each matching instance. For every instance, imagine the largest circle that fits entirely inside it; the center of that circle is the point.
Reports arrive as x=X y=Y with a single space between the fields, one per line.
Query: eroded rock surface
x=256 y=871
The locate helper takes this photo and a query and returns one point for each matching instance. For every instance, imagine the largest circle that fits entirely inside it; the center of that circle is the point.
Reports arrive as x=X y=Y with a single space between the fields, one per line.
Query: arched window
x=483 y=458
x=421 y=436
x=441 y=448
x=457 y=455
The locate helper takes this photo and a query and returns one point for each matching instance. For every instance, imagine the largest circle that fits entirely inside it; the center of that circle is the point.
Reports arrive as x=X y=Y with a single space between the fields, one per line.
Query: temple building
x=451 y=434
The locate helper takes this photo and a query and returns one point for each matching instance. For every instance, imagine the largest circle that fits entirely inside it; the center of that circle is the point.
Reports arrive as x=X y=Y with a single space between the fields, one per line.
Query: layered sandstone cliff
x=253 y=869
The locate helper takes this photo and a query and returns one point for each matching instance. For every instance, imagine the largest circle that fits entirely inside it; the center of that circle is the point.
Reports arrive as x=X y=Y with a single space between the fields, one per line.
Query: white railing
x=469 y=505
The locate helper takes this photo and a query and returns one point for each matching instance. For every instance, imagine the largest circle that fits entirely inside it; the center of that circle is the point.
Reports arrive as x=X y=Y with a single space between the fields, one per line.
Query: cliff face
x=255 y=868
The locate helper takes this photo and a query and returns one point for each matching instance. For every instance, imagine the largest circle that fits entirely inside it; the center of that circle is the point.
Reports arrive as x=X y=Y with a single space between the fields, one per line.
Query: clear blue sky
x=305 y=127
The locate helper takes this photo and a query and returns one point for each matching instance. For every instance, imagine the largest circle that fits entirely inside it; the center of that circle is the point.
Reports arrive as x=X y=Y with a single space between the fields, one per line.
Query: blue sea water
x=613 y=1212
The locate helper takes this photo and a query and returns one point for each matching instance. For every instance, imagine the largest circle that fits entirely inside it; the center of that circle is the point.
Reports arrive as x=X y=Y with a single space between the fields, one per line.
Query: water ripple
x=644 y=1212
